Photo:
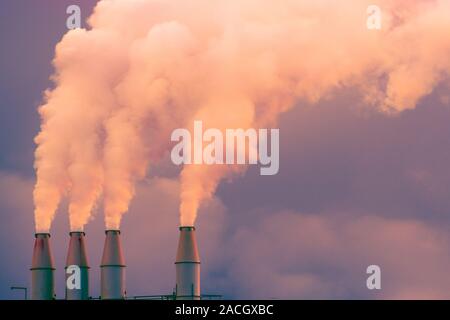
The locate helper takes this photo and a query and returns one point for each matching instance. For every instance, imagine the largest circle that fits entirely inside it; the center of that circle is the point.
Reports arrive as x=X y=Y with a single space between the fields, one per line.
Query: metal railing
x=25 y=289
x=173 y=297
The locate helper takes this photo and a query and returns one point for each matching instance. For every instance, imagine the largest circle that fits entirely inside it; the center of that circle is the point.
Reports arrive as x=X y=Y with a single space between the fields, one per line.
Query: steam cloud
x=145 y=67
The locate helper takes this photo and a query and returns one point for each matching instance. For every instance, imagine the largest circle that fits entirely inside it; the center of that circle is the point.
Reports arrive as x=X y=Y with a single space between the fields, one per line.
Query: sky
x=356 y=187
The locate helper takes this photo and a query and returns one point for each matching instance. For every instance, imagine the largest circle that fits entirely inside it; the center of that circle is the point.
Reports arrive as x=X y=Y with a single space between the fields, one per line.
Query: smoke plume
x=145 y=67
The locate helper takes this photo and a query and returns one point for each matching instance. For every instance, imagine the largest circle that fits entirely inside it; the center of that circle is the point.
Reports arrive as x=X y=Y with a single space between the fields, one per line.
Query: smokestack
x=112 y=267
x=77 y=268
x=42 y=269
x=187 y=266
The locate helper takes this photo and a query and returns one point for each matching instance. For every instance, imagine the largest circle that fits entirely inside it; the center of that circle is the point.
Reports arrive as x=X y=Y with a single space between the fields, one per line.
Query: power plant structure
x=112 y=269
x=187 y=266
x=42 y=269
x=77 y=268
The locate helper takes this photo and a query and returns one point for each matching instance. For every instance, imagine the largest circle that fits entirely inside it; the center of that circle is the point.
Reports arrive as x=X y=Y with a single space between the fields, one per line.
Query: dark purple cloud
x=29 y=31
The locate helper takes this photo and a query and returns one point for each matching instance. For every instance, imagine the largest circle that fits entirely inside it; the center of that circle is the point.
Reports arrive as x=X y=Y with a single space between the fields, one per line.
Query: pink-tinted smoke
x=146 y=67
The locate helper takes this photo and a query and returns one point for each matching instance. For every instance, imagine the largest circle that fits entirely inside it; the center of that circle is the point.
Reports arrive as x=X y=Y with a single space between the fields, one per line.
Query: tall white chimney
x=42 y=269
x=113 y=267
x=187 y=266
x=77 y=268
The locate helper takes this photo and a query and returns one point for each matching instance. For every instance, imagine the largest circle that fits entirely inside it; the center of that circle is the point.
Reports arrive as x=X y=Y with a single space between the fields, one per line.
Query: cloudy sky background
x=355 y=188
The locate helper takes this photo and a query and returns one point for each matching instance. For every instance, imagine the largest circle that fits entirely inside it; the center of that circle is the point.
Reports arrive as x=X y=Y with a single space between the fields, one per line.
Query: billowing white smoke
x=146 y=67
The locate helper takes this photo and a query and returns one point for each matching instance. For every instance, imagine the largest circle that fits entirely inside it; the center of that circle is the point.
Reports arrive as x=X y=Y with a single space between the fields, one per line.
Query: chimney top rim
x=189 y=228
x=77 y=233
x=44 y=234
x=112 y=230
